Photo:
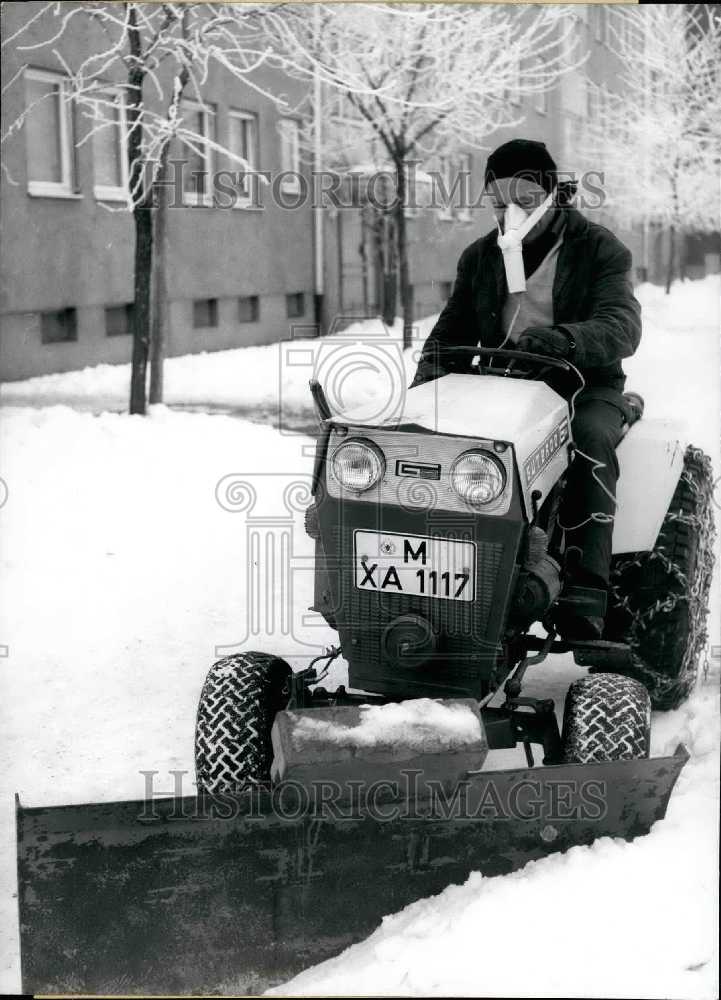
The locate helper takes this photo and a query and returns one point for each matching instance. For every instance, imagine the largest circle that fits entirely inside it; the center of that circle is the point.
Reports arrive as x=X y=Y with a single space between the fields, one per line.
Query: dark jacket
x=593 y=301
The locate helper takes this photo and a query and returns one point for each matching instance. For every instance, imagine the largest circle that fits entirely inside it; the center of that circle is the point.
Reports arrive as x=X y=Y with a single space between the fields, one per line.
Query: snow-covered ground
x=125 y=546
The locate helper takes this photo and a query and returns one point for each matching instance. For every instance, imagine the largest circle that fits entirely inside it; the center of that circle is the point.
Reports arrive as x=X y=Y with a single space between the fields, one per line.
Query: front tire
x=239 y=701
x=606 y=717
x=659 y=599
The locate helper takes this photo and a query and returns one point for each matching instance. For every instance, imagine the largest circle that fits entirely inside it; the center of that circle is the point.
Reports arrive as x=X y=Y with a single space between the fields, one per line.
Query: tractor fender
x=650 y=459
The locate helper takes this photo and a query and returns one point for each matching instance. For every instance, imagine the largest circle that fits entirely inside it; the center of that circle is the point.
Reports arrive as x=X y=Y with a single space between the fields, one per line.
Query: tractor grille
x=461 y=628
x=467 y=635
x=460 y=621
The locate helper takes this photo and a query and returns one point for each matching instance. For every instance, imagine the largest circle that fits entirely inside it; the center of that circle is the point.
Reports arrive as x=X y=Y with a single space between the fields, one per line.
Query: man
x=578 y=305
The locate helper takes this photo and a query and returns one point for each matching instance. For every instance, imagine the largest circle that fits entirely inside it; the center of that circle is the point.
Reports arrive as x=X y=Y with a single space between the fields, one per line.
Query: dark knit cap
x=522 y=158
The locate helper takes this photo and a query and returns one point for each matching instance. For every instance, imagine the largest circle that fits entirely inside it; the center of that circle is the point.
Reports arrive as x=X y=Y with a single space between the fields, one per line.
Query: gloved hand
x=548 y=340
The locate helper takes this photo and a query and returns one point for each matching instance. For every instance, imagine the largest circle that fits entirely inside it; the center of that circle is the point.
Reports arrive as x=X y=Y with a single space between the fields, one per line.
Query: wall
x=77 y=251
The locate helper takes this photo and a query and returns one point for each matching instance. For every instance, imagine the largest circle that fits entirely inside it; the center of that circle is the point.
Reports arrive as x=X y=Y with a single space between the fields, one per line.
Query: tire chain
x=607 y=717
x=669 y=692
x=232 y=726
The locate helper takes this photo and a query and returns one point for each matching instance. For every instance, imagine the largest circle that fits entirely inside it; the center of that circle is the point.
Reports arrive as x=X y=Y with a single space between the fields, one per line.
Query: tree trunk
x=159 y=325
x=671 y=258
x=672 y=230
x=402 y=243
x=362 y=252
x=390 y=284
x=142 y=218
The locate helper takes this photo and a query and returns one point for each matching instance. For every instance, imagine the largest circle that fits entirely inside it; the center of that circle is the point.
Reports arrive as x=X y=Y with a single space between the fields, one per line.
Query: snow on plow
x=239 y=892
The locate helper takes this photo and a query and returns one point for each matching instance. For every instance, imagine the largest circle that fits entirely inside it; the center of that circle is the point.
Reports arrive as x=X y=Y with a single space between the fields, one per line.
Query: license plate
x=421 y=565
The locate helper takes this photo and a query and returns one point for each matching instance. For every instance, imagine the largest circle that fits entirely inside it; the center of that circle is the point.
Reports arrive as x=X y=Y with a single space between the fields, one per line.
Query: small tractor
x=438 y=548
x=439 y=562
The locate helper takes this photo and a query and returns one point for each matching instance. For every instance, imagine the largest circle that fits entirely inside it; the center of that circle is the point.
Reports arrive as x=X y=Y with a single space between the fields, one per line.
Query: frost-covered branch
x=657 y=135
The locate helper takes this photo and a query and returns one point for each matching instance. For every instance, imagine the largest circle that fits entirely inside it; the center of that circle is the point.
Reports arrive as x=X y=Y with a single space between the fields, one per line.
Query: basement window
x=248 y=309
x=59 y=326
x=295 y=305
x=205 y=313
x=119 y=320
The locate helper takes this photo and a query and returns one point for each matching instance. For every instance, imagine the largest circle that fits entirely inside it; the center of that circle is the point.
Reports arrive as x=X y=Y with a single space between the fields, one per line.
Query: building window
x=464 y=171
x=205 y=313
x=601 y=22
x=243 y=141
x=540 y=98
x=109 y=148
x=295 y=305
x=49 y=132
x=199 y=121
x=289 y=153
x=592 y=102
x=603 y=110
x=513 y=91
x=445 y=210
x=59 y=326
x=248 y=309
x=570 y=129
x=119 y=320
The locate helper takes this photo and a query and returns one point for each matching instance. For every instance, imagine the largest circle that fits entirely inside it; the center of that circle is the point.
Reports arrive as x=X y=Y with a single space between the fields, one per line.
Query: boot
x=580 y=611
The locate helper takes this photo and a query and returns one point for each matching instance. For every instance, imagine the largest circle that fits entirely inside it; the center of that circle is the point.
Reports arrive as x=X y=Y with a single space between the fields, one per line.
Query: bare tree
x=155 y=54
x=657 y=135
x=422 y=78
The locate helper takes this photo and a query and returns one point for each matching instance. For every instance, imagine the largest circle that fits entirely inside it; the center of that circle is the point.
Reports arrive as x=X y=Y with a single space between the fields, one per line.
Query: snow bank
x=421 y=724
x=353 y=366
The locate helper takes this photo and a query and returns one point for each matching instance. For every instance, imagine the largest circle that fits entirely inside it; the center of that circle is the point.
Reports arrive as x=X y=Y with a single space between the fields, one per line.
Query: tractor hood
x=488 y=406
x=527 y=415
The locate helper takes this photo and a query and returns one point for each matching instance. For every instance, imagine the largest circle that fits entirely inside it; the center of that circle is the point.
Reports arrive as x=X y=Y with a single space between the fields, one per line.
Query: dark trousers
x=597 y=429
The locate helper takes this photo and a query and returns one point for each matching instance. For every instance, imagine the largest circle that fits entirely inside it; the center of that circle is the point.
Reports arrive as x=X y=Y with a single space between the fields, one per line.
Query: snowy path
x=123 y=570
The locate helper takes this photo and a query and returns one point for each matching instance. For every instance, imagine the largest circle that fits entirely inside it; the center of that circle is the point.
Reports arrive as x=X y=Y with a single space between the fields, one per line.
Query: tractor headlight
x=358 y=465
x=478 y=477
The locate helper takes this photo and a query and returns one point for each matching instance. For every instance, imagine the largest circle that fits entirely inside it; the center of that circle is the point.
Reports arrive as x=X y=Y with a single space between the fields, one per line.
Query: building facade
x=236 y=275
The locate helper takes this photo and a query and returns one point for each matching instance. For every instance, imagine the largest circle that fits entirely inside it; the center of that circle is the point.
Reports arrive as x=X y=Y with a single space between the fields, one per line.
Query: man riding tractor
x=550 y=282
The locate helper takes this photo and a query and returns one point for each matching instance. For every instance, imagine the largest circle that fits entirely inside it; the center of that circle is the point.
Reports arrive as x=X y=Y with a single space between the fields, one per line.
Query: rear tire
x=659 y=600
x=606 y=717
x=238 y=703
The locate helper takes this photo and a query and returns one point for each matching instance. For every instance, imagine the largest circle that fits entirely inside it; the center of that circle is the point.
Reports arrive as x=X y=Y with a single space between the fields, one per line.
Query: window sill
x=110 y=194
x=42 y=192
x=198 y=201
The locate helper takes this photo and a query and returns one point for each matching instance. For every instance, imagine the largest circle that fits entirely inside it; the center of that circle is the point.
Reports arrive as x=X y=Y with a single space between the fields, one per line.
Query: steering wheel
x=540 y=364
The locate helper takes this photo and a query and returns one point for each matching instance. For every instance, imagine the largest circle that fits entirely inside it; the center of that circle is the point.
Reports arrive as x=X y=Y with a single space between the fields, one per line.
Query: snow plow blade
x=234 y=894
